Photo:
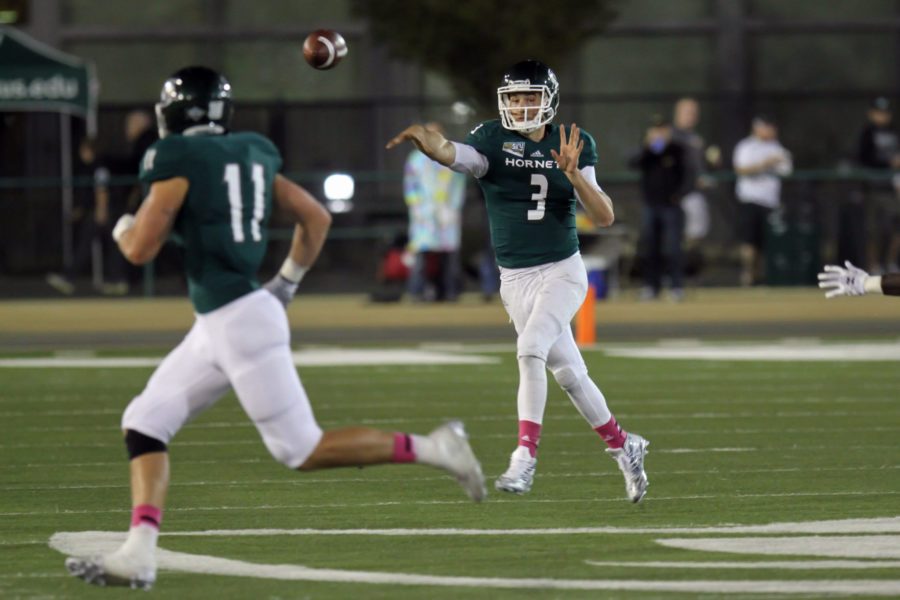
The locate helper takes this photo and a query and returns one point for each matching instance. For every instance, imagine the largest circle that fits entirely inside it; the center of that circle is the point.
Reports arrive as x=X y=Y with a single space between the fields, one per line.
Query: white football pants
x=244 y=345
x=541 y=301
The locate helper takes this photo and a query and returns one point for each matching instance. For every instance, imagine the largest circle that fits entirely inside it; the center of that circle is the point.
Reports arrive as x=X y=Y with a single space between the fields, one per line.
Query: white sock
x=532 y=395
x=141 y=541
x=426 y=450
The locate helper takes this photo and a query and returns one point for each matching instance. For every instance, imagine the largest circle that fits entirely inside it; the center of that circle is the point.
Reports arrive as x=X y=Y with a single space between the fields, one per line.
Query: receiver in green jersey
x=222 y=224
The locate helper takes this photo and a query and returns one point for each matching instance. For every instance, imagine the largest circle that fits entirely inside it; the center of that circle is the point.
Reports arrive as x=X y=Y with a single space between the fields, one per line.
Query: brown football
x=324 y=48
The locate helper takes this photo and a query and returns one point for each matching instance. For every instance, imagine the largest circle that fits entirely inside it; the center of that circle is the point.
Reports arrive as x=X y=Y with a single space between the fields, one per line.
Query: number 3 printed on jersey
x=536 y=214
x=233 y=181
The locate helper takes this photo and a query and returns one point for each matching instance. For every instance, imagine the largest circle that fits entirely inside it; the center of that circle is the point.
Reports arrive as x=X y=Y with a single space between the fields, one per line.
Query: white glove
x=284 y=285
x=281 y=288
x=122 y=225
x=838 y=281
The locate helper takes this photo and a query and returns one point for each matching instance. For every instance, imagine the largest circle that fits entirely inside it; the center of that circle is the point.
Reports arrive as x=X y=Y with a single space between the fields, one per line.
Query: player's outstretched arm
x=141 y=236
x=431 y=143
x=890 y=284
x=312 y=223
x=850 y=280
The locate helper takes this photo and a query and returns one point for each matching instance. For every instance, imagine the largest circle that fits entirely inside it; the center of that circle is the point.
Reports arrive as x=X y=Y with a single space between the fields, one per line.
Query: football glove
x=122 y=225
x=284 y=285
x=840 y=281
x=281 y=288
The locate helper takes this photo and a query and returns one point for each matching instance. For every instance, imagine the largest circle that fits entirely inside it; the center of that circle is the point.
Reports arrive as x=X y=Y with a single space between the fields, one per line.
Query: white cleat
x=520 y=474
x=631 y=462
x=114 y=569
x=458 y=458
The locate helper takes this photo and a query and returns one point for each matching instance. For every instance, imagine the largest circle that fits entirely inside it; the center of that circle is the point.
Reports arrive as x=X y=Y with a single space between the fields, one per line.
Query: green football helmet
x=194 y=100
x=529 y=76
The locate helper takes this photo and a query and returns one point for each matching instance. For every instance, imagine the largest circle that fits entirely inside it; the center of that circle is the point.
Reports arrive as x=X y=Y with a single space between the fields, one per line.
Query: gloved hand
x=840 y=281
x=122 y=225
x=284 y=285
x=281 y=288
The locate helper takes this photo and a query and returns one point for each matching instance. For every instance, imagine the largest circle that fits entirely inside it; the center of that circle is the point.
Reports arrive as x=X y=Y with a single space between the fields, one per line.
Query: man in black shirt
x=90 y=218
x=879 y=150
x=663 y=172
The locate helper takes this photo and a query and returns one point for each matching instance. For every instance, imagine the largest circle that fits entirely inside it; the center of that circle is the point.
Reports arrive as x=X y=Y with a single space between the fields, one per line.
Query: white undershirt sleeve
x=469 y=161
x=591 y=177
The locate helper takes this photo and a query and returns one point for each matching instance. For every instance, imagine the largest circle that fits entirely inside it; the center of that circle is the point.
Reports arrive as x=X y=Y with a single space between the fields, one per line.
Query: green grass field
x=737 y=443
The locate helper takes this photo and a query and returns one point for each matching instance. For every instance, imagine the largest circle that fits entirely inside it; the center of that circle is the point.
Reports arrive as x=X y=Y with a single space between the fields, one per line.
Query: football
x=324 y=48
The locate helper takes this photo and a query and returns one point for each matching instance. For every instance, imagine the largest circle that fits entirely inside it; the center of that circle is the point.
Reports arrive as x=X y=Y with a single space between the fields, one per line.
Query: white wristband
x=292 y=271
x=872 y=284
x=122 y=225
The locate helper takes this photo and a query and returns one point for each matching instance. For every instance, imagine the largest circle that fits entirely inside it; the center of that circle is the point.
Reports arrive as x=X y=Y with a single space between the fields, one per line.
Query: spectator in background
x=760 y=161
x=140 y=134
x=879 y=149
x=434 y=196
x=664 y=174
x=392 y=271
x=90 y=218
x=698 y=158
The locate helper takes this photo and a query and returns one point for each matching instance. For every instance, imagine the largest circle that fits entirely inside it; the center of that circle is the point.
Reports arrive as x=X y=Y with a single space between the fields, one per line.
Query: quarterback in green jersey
x=214 y=190
x=532 y=172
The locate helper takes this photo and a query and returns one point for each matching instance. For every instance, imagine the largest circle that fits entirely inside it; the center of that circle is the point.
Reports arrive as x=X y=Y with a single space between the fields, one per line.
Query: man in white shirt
x=760 y=162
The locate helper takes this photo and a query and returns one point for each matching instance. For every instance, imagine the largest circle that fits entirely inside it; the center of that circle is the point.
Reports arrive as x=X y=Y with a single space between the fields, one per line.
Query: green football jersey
x=530 y=202
x=222 y=223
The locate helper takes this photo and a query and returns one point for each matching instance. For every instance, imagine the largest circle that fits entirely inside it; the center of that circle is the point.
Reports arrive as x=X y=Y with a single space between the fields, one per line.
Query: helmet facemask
x=540 y=114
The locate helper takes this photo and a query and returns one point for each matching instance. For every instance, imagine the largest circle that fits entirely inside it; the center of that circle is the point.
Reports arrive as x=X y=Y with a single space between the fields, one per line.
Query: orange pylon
x=585 y=328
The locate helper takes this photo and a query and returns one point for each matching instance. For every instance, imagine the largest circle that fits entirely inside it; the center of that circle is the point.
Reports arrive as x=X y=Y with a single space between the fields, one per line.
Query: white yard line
x=496 y=500
x=801 y=351
x=319 y=357
x=844 y=546
x=802 y=565
x=795 y=350
x=838 y=526
x=305 y=481
x=98 y=542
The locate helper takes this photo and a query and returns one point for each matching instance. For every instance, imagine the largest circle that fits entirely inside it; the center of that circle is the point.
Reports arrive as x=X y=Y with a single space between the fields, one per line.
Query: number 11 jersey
x=530 y=202
x=222 y=223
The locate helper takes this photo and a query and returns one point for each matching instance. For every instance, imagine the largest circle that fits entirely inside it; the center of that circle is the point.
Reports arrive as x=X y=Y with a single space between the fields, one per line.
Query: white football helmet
x=529 y=76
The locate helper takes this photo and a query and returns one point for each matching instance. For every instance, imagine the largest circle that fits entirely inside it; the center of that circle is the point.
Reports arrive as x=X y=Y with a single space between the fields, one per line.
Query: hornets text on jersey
x=530 y=201
x=222 y=223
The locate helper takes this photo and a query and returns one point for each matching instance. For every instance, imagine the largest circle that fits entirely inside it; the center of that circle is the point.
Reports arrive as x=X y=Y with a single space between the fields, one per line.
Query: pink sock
x=612 y=434
x=529 y=435
x=147 y=514
x=403 y=449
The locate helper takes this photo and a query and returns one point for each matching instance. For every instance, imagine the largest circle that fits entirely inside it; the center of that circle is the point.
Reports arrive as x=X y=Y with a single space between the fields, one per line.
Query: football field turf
x=767 y=478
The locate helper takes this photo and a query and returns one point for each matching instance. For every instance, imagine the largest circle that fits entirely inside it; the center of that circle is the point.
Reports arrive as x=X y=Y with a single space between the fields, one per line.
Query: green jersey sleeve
x=165 y=159
x=479 y=138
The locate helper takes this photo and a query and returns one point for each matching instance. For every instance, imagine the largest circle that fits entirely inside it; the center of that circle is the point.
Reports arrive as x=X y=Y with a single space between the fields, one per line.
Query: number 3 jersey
x=530 y=202
x=222 y=223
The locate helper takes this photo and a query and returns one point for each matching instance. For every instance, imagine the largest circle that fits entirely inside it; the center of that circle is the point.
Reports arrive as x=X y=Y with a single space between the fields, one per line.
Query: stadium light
x=339 y=192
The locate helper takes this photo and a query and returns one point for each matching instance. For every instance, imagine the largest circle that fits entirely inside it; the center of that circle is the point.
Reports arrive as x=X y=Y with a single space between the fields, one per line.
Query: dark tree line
x=472 y=42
